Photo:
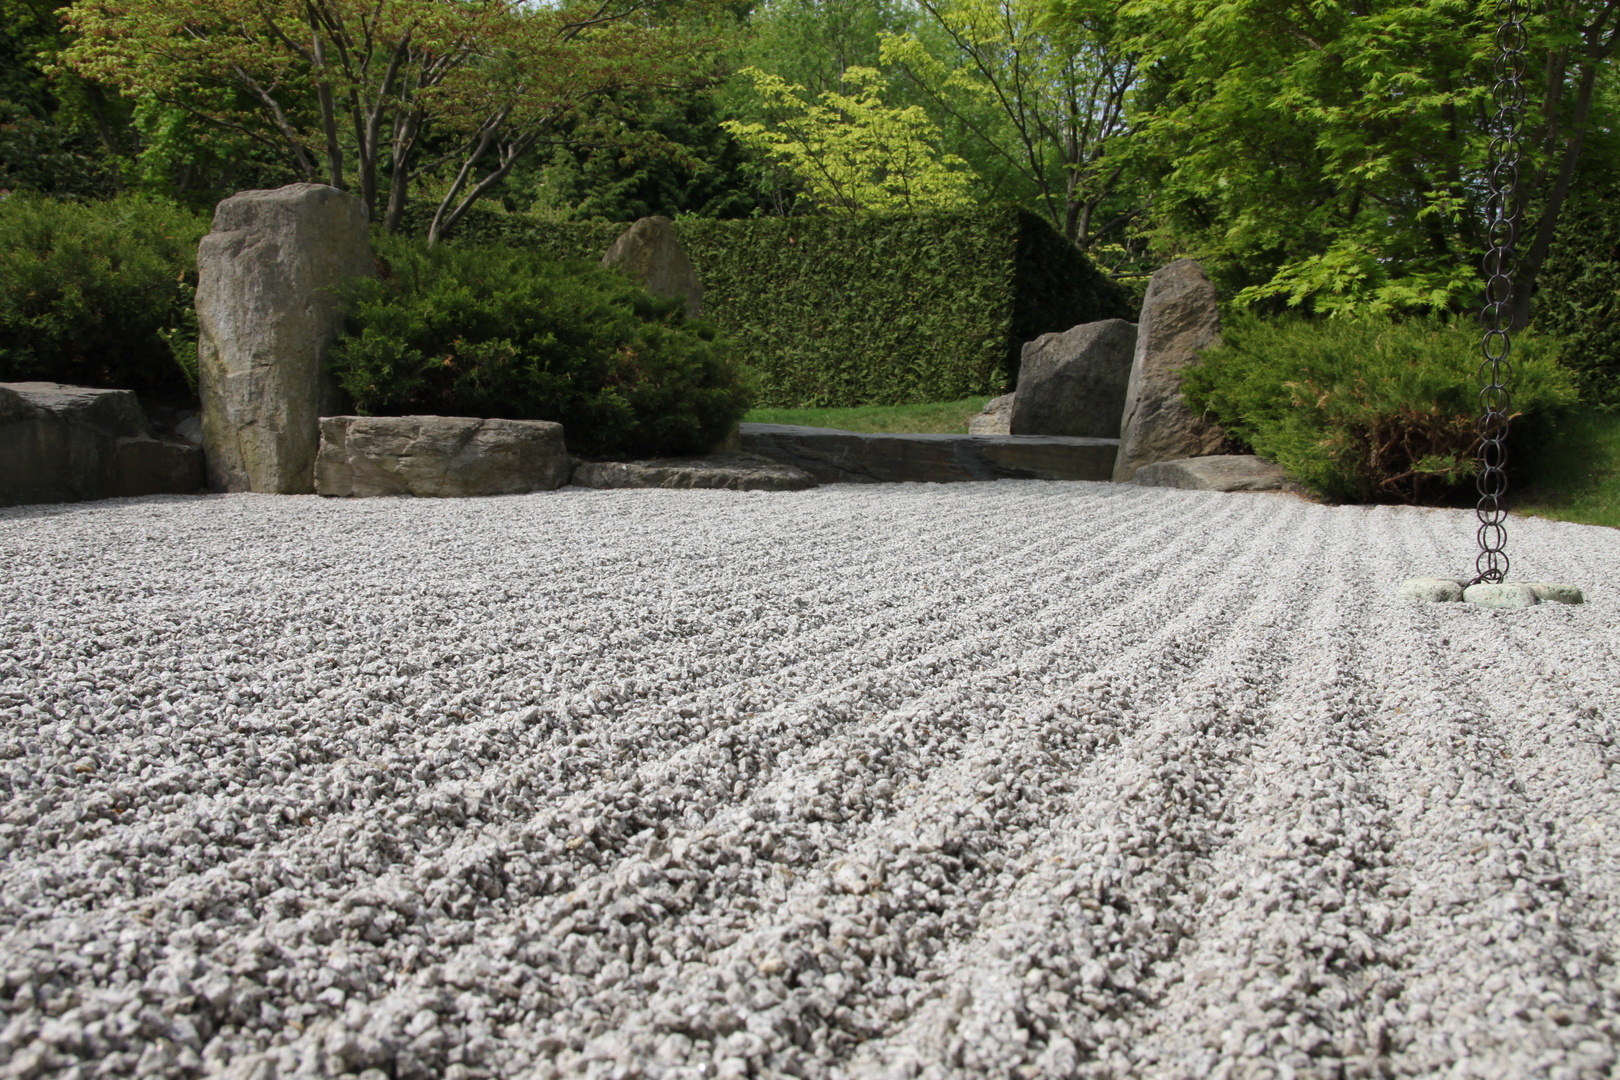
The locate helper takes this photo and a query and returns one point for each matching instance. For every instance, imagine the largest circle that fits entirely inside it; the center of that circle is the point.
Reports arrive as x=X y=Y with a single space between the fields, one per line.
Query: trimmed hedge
x=864 y=310
x=1578 y=297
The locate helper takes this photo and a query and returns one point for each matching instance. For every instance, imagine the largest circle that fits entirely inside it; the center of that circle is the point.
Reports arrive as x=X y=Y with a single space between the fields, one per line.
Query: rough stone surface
x=1508 y=594
x=1218 y=472
x=1429 y=589
x=68 y=443
x=439 y=456
x=732 y=471
x=996 y=419
x=1074 y=383
x=1014 y=780
x=1179 y=317
x=651 y=255
x=266 y=310
x=851 y=457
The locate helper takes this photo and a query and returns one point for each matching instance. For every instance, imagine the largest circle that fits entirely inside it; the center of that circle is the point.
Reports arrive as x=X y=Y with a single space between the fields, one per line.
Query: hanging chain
x=1502 y=220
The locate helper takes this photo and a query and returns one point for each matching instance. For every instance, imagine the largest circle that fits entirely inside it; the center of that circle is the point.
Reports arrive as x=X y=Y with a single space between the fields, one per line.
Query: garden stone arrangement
x=1011 y=779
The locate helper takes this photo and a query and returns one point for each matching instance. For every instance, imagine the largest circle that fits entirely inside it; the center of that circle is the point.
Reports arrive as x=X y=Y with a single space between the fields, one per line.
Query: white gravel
x=1007 y=780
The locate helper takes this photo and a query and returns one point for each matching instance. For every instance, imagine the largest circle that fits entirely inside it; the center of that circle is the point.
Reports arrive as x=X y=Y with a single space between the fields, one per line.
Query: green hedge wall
x=1578 y=297
x=865 y=310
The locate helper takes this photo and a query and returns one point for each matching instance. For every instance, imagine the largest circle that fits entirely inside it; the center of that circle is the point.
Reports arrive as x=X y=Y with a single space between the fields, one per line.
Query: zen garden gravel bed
x=1011 y=779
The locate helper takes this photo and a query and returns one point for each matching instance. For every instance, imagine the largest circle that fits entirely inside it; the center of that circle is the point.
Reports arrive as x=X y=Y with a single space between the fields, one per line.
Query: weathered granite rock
x=439 y=456
x=1074 y=383
x=1508 y=594
x=651 y=255
x=1217 y=472
x=851 y=457
x=734 y=471
x=67 y=443
x=266 y=310
x=1179 y=317
x=996 y=419
x=1428 y=589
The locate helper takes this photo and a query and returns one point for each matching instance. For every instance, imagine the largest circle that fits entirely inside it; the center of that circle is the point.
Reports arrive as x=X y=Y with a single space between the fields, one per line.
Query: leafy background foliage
x=866 y=309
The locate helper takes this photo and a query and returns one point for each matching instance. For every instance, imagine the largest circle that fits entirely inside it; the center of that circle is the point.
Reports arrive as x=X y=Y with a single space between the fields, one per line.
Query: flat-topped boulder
x=729 y=471
x=439 y=456
x=62 y=443
x=1216 y=472
x=1074 y=382
x=852 y=457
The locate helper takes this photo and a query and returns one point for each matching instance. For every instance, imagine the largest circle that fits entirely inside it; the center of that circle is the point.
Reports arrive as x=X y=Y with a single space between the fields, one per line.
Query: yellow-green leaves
x=850 y=151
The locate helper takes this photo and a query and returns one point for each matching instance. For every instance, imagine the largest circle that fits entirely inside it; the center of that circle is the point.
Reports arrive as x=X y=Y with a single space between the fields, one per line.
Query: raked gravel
x=1016 y=779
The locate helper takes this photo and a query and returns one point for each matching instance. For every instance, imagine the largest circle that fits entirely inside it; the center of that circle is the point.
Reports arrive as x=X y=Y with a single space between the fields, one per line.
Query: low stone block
x=1508 y=594
x=1427 y=589
x=1217 y=472
x=851 y=457
x=732 y=472
x=69 y=443
x=439 y=456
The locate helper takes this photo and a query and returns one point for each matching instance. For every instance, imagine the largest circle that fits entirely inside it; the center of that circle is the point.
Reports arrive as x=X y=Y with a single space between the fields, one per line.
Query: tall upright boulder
x=1180 y=316
x=653 y=258
x=267 y=308
x=1074 y=382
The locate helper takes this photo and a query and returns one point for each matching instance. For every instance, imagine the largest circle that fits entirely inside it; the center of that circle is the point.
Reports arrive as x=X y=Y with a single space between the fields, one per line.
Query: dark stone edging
x=850 y=457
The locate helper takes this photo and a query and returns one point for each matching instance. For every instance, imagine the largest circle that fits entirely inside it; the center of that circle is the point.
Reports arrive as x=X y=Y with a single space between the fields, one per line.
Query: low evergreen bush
x=501 y=332
x=89 y=292
x=1370 y=410
x=863 y=309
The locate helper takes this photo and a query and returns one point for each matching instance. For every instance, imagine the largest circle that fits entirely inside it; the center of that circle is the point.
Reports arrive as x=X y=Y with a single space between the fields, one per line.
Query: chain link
x=1502 y=222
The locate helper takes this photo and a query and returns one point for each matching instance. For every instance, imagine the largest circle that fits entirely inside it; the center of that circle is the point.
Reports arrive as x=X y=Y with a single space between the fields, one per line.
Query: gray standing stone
x=1217 y=472
x=66 y=443
x=439 y=456
x=996 y=419
x=651 y=256
x=1074 y=383
x=730 y=471
x=266 y=310
x=1179 y=318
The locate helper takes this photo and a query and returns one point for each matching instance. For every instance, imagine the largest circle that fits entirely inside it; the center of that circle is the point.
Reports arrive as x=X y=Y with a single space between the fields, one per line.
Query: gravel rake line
x=433 y=923
x=1062 y=968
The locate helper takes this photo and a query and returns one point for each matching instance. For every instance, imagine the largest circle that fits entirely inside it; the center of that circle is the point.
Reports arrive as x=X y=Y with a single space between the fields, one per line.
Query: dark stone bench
x=851 y=457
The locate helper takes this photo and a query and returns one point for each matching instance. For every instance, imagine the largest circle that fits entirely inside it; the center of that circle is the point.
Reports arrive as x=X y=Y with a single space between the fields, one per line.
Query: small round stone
x=1509 y=594
x=1558 y=594
x=1430 y=589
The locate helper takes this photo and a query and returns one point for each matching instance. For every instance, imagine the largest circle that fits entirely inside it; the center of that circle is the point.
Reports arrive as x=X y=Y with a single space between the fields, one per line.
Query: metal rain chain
x=1502 y=217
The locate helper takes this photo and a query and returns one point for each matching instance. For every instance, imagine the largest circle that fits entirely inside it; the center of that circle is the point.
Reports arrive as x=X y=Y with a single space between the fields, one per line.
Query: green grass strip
x=943 y=417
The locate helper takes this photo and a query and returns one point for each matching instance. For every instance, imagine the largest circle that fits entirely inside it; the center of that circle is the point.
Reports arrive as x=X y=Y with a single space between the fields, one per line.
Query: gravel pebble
x=1015 y=779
